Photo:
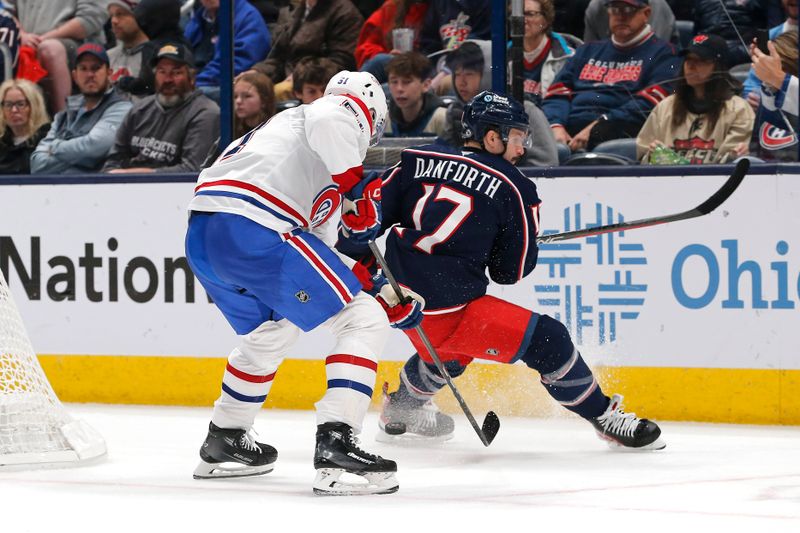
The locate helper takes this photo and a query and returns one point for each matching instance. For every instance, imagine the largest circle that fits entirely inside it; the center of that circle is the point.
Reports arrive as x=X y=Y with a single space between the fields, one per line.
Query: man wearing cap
x=607 y=89
x=172 y=130
x=662 y=20
x=126 y=57
x=82 y=135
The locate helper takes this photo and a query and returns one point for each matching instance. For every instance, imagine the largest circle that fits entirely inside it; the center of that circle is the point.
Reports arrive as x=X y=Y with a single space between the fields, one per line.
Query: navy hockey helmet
x=488 y=110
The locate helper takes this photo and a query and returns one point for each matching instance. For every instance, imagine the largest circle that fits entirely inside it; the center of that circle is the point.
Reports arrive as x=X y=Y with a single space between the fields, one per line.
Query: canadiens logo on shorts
x=302 y=296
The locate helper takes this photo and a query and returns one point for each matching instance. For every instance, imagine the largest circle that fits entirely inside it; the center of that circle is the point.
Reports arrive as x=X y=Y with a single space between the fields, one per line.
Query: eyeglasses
x=20 y=104
x=622 y=11
x=532 y=14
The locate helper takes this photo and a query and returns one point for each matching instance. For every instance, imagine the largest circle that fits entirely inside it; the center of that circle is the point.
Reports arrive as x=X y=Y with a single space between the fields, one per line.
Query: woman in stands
x=253 y=101
x=544 y=51
x=23 y=123
x=704 y=121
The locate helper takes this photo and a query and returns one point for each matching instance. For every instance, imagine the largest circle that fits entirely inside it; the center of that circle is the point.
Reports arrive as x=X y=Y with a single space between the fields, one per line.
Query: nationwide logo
x=592 y=314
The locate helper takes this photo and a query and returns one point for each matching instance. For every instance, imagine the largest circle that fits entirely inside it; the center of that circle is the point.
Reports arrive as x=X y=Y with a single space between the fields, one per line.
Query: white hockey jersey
x=284 y=174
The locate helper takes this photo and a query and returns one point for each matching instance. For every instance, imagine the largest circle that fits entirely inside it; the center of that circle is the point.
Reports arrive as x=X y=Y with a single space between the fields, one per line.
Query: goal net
x=34 y=426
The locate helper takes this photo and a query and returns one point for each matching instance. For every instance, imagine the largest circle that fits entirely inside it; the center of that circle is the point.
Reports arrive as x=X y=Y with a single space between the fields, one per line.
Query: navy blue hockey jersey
x=456 y=214
x=9 y=36
x=602 y=78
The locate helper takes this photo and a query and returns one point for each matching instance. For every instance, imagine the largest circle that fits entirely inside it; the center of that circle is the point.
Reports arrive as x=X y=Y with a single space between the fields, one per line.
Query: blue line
x=559 y=260
x=243 y=397
x=628 y=315
x=348 y=384
x=621 y=301
x=631 y=247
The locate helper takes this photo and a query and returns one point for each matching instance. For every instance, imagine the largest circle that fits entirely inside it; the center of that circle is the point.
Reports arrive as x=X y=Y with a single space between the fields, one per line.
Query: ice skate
x=337 y=454
x=411 y=424
x=233 y=453
x=625 y=431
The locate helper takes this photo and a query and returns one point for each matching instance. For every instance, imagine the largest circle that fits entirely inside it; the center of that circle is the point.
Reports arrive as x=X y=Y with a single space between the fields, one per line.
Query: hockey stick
x=713 y=202
x=491 y=424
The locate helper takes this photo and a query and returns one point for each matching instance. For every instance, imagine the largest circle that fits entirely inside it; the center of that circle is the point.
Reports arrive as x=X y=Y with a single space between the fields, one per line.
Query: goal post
x=35 y=428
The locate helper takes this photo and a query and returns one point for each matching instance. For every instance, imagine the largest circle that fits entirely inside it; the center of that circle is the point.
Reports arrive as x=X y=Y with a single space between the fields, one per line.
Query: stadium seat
x=286 y=104
x=625 y=148
x=595 y=159
x=740 y=72
x=685 y=31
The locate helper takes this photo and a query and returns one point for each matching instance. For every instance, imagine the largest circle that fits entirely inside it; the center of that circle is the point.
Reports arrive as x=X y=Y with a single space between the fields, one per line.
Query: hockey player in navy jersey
x=607 y=89
x=452 y=215
x=260 y=240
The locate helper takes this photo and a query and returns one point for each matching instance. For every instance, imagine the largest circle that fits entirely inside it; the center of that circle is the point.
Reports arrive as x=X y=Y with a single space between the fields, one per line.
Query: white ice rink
x=538 y=475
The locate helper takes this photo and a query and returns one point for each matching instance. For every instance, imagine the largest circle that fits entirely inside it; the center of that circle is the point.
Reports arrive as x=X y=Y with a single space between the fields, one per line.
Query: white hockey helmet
x=366 y=88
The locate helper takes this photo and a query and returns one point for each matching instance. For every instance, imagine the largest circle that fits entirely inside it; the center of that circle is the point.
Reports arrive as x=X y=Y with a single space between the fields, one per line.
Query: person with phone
x=752 y=83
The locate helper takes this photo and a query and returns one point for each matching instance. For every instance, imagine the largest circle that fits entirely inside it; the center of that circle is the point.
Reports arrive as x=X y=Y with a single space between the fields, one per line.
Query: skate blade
x=329 y=483
x=411 y=439
x=658 y=444
x=228 y=470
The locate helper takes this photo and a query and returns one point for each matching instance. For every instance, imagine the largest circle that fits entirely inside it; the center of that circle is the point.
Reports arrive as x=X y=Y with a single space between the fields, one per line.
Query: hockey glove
x=402 y=314
x=361 y=210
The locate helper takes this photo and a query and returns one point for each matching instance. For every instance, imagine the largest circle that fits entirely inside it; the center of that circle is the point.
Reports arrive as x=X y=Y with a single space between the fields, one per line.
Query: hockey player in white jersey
x=260 y=240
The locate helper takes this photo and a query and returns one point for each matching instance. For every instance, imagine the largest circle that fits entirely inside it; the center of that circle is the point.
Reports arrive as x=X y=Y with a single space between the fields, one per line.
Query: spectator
x=251 y=41
x=607 y=89
x=316 y=28
x=82 y=135
x=413 y=110
x=731 y=19
x=470 y=64
x=55 y=30
x=126 y=56
x=545 y=52
x=23 y=123
x=375 y=45
x=447 y=24
x=173 y=130
x=9 y=43
x=310 y=77
x=704 y=121
x=752 y=83
x=662 y=21
x=367 y=7
x=253 y=101
x=160 y=21
x=775 y=134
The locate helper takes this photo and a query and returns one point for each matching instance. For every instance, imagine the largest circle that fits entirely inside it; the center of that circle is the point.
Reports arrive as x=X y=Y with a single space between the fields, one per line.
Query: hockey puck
x=395 y=428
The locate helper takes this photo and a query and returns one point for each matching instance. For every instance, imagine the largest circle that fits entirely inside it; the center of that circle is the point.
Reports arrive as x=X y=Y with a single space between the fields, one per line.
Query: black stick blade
x=491 y=425
x=727 y=188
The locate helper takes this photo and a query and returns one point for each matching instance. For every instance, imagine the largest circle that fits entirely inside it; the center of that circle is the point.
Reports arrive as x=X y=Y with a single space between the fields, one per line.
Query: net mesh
x=30 y=413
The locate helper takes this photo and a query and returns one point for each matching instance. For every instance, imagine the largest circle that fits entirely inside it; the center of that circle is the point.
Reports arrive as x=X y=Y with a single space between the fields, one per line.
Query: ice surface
x=539 y=475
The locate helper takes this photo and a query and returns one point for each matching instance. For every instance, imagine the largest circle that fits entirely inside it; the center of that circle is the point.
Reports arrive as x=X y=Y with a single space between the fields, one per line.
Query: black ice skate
x=233 y=453
x=337 y=453
x=401 y=422
x=625 y=430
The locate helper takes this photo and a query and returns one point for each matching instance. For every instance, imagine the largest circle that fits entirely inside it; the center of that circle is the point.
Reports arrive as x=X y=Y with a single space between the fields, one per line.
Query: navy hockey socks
x=563 y=371
x=419 y=380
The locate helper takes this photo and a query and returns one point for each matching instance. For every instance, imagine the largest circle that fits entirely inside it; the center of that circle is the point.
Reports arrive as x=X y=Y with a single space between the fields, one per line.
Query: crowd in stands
x=134 y=85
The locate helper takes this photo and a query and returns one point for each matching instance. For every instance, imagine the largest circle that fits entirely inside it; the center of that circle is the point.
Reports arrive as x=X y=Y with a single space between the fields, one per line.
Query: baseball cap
x=94 y=49
x=707 y=47
x=635 y=3
x=130 y=5
x=174 y=51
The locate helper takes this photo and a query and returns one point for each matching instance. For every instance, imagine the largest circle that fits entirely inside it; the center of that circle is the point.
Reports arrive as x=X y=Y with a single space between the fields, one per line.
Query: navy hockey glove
x=361 y=210
x=402 y=314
